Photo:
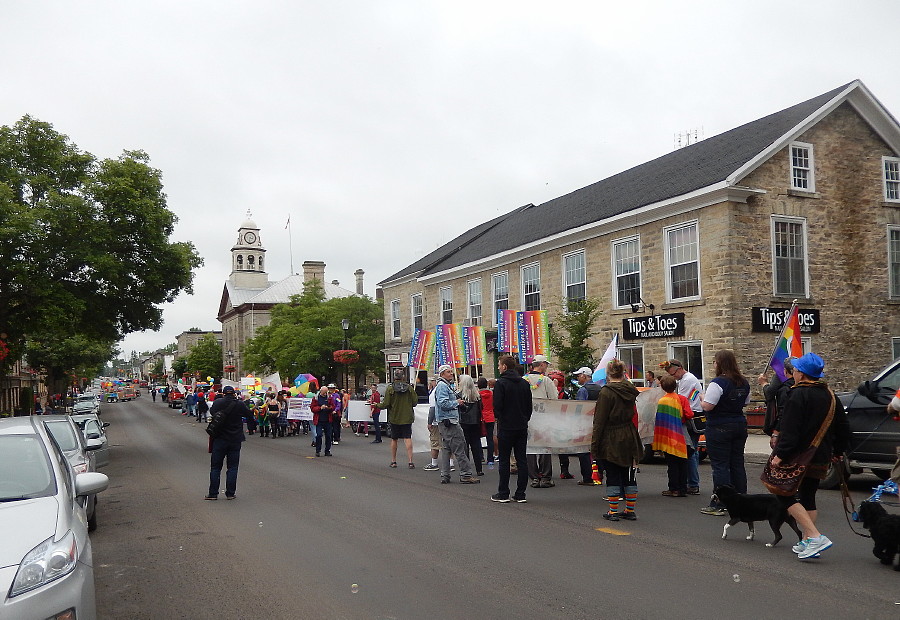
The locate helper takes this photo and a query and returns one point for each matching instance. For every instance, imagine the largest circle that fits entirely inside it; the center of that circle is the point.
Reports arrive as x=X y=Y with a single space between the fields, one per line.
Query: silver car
x=80 y=454
x=46 y=563
x=93 y=428
x=86 y=403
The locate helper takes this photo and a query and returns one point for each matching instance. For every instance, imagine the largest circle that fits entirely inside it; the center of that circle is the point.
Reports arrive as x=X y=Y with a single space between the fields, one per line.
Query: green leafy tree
x=571 y=331
x=179 y=367
x=158 y=368
x=205 y=358
x=303 y=335
x=84 y=247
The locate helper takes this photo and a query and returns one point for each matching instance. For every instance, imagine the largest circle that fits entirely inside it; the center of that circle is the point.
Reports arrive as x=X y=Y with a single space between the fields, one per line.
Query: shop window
x=802 y=172
x=531 y=286
x=690 y=354
x=633 y=358
x=789 y=256
x=574 y=277
x=626 y=255
x=446 y=297
x=683 y=262
x=395 y=319
x=500 y=292
x=417 y=312
x=474 y=295
x=891 y=178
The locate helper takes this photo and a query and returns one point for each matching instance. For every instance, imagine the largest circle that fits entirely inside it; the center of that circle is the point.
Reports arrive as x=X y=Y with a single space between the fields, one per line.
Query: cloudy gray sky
x=387 y=128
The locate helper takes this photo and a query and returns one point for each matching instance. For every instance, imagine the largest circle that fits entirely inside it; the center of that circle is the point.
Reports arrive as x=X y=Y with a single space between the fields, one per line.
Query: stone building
x=186 y=341
x=249 y=296
x=701 y=249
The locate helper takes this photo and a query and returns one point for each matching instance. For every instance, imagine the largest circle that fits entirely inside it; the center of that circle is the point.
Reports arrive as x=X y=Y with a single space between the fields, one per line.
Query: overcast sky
x=385 y=129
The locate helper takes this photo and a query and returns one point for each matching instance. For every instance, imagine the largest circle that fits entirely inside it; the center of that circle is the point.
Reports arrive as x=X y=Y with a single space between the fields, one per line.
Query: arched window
x=240 y=262
x=260 y=263
x=250 y=263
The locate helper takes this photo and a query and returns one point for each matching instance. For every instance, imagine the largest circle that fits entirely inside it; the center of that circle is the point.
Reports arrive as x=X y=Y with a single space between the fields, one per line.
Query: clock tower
x=247 y=258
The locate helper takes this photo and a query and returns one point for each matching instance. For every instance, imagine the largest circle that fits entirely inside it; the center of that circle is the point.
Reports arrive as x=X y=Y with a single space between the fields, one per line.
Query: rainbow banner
x=474 y=344
x=789 y=344
x=442 y=354
x=507 y=338
x=457 y=349
x=449 y=345
x=421 y=350
x=533 y=332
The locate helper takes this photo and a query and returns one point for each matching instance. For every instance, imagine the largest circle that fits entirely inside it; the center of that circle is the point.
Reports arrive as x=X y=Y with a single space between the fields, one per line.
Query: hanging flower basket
x=228 y=368
x=346 y=356
x=4 y=350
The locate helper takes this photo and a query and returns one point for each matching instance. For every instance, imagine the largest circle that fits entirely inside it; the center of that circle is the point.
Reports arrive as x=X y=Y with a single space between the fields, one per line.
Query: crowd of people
x=463 y=410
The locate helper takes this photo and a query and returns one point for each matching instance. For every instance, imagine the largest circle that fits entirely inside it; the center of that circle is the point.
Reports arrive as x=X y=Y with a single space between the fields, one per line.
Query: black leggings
x=806 y=495
x=472 y=433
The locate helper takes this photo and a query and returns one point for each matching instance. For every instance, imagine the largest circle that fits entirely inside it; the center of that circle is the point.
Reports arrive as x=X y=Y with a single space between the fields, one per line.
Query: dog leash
x=849 y=512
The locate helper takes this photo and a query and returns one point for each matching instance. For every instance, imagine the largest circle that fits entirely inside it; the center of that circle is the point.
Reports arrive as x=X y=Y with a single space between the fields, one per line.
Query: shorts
x=434 y=436
x=401 y=431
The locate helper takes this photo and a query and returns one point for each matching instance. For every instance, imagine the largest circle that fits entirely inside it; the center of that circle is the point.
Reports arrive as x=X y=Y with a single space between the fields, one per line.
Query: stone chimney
x=314 y=270
x=359 y=273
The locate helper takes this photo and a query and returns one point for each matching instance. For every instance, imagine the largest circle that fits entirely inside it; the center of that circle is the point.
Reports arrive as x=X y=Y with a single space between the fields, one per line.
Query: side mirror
x=90 y=483
x=865 y=389
x=105 y=424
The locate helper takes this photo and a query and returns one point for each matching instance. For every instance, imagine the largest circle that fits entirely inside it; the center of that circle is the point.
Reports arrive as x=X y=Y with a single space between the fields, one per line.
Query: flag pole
x=290 y=243
x=780 y=336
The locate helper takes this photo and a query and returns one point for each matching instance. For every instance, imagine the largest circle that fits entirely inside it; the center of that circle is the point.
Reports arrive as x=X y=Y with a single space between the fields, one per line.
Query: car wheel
x=92 y=522
x=883 y=474
x=833 y=477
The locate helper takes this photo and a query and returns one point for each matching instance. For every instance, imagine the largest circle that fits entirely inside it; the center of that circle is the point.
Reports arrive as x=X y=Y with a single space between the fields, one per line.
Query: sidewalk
x=757 y=449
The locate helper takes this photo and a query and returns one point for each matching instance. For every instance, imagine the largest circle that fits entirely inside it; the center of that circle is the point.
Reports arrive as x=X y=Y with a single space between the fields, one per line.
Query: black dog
x=750 y=508
x=885 y=531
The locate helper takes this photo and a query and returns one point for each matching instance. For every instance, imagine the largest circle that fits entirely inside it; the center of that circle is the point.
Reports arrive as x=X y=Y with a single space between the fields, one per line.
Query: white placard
x=359 y=411
x=299 y=408
x=560 y=426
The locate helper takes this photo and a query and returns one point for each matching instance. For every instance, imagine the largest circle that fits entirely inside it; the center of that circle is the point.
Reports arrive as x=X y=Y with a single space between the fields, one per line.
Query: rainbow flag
x=667 y=434
x=475 y=344
x=507 y=337
x=789 y=344
x=534 y=334
x=421 y=350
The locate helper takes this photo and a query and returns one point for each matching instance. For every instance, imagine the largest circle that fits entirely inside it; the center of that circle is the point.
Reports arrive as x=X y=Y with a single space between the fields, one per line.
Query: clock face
x=250 y=238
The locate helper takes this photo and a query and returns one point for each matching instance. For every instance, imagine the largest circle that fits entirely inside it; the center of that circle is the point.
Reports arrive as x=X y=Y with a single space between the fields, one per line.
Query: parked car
x=86 y=403
x=93 y=428
x=80 y=454
x=46 y=557
x=874 y=433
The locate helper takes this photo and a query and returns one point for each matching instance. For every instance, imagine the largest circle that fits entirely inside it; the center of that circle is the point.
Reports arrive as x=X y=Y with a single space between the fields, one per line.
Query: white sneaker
x=814 y=546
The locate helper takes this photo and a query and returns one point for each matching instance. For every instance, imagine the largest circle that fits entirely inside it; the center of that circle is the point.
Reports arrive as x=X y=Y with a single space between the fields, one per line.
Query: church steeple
x=248 y=256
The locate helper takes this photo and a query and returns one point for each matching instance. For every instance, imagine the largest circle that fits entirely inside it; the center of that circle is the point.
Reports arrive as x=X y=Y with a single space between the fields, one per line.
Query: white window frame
x=472 y=317
x=893 y=267
x=775 y=219
x=806 y=344
x=616 y=275
x=810 y=169
x=445 y=294
x=631 y=347
x=895 y=347
x=395 y=319
x=890 y=185
x=669 y=265
x=670 y=347
x=412 y=311
x=538 y=292
x=494 y=299
x=565 y=275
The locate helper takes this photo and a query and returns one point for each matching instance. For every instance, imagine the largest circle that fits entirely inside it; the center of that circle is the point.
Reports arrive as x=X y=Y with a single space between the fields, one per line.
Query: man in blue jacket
x=446 y=415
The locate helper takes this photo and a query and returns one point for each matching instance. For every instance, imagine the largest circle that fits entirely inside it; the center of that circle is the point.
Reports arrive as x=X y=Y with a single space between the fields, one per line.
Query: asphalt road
x=349 y=537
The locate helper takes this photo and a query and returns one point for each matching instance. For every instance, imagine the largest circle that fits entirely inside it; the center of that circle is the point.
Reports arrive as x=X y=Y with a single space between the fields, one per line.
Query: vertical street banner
x=475 y=344
x=442 y=354
x=457 y=348
x=507 y=336
x=421 y=350
x=533 y=332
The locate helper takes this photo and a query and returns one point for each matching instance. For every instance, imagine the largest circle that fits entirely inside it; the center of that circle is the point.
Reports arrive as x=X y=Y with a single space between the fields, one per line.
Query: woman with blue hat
x=808 y=409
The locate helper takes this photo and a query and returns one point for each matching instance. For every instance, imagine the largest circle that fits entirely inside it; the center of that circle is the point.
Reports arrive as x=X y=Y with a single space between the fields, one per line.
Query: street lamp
x=345 y=325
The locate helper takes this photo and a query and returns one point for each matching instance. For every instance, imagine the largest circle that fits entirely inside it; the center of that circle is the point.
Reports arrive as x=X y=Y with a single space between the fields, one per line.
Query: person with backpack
x=225 y=442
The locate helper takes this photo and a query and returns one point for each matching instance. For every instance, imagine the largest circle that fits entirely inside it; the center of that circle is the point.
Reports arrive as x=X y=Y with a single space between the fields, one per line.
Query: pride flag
x=474 y=344
x=507 y=337
x=612 y=350
x=789 y=344
x=421 y=350
x=534 y=334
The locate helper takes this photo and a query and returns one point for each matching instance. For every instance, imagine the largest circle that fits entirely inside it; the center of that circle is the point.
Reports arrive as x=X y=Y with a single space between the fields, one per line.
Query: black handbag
x=697 y=424
x=470 y=413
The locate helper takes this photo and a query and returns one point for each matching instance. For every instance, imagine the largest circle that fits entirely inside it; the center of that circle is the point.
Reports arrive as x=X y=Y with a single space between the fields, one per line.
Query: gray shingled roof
x=677 y=173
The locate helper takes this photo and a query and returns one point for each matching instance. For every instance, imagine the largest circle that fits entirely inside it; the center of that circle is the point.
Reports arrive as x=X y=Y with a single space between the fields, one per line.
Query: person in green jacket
x=400 y=400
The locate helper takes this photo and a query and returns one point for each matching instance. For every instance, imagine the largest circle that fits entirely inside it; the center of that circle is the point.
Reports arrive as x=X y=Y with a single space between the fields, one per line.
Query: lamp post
x=345 y=325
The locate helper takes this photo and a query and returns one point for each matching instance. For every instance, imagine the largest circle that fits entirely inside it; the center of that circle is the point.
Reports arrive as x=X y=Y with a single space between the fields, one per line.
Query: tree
x=85 y=255
x=205 y=357
x=158 y=369
x=572 y=329
x=304 y=333
x=179 y=367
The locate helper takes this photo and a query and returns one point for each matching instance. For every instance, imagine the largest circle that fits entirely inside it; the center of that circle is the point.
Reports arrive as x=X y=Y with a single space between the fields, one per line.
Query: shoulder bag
x=784 y=478
x=217 y=422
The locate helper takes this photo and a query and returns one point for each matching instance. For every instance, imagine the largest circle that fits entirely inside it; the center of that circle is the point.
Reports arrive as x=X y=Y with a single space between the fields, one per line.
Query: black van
x=874 y=432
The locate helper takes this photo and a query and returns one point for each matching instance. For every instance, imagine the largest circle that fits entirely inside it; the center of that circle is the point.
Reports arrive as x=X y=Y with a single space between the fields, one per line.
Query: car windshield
x=26 y=469
x=64 y=435
x=86 y=398
x=891 y=380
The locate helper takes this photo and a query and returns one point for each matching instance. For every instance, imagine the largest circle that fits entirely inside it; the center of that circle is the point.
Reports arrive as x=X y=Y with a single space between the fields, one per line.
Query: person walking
x=400 y=400
x=453 y=442
x=470 y=420
x=487 y=417
x=726 y=427
x=226 y=444
x=374 y=399
x=775 y=393
x=512 y=410
x=323 y=415
x=337 y=407
x=806 y=411
x=615 y=441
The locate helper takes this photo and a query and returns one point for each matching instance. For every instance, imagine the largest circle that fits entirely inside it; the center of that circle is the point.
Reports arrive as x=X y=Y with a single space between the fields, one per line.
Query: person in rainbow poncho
x=669 y=435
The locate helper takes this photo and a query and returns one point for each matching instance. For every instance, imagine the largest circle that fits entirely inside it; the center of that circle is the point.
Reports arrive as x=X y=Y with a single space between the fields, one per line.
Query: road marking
x=613 y=531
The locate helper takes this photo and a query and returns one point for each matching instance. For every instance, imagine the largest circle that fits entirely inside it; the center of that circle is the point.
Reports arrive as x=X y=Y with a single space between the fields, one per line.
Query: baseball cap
x=443 y=368
x=228 y=390
x=584 y=370
x=539 y=359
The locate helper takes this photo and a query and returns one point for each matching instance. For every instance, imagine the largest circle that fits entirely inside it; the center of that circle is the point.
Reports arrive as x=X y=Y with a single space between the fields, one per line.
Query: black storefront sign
x=772 y=320
x=654 y=326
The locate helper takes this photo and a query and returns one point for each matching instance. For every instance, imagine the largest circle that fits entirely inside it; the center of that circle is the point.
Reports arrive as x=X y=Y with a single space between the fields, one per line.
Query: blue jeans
x=323 y=428
x=694 y=464
x=725 y=444
x=375 y=417
x=515 y=442
x=222 y=450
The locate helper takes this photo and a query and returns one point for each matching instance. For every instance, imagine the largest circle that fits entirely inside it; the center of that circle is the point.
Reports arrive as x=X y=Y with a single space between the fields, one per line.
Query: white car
x=86 y=403
x=46 y=563
x=92 y=428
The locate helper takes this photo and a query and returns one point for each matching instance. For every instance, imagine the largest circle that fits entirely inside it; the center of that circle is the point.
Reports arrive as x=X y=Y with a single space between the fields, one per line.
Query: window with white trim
x=500 y=293
x=895 y=347
x=626 y=256
x=531 y=287
x=395 y=319
x=803 y=176
x=894 y=261
x=446 y=300
x=416 y=302
x=474 y=295
x=789 y=256
x=690 y=354
x=633 y=358
x=574 y=277
x=891 y=167
x=683 y=262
